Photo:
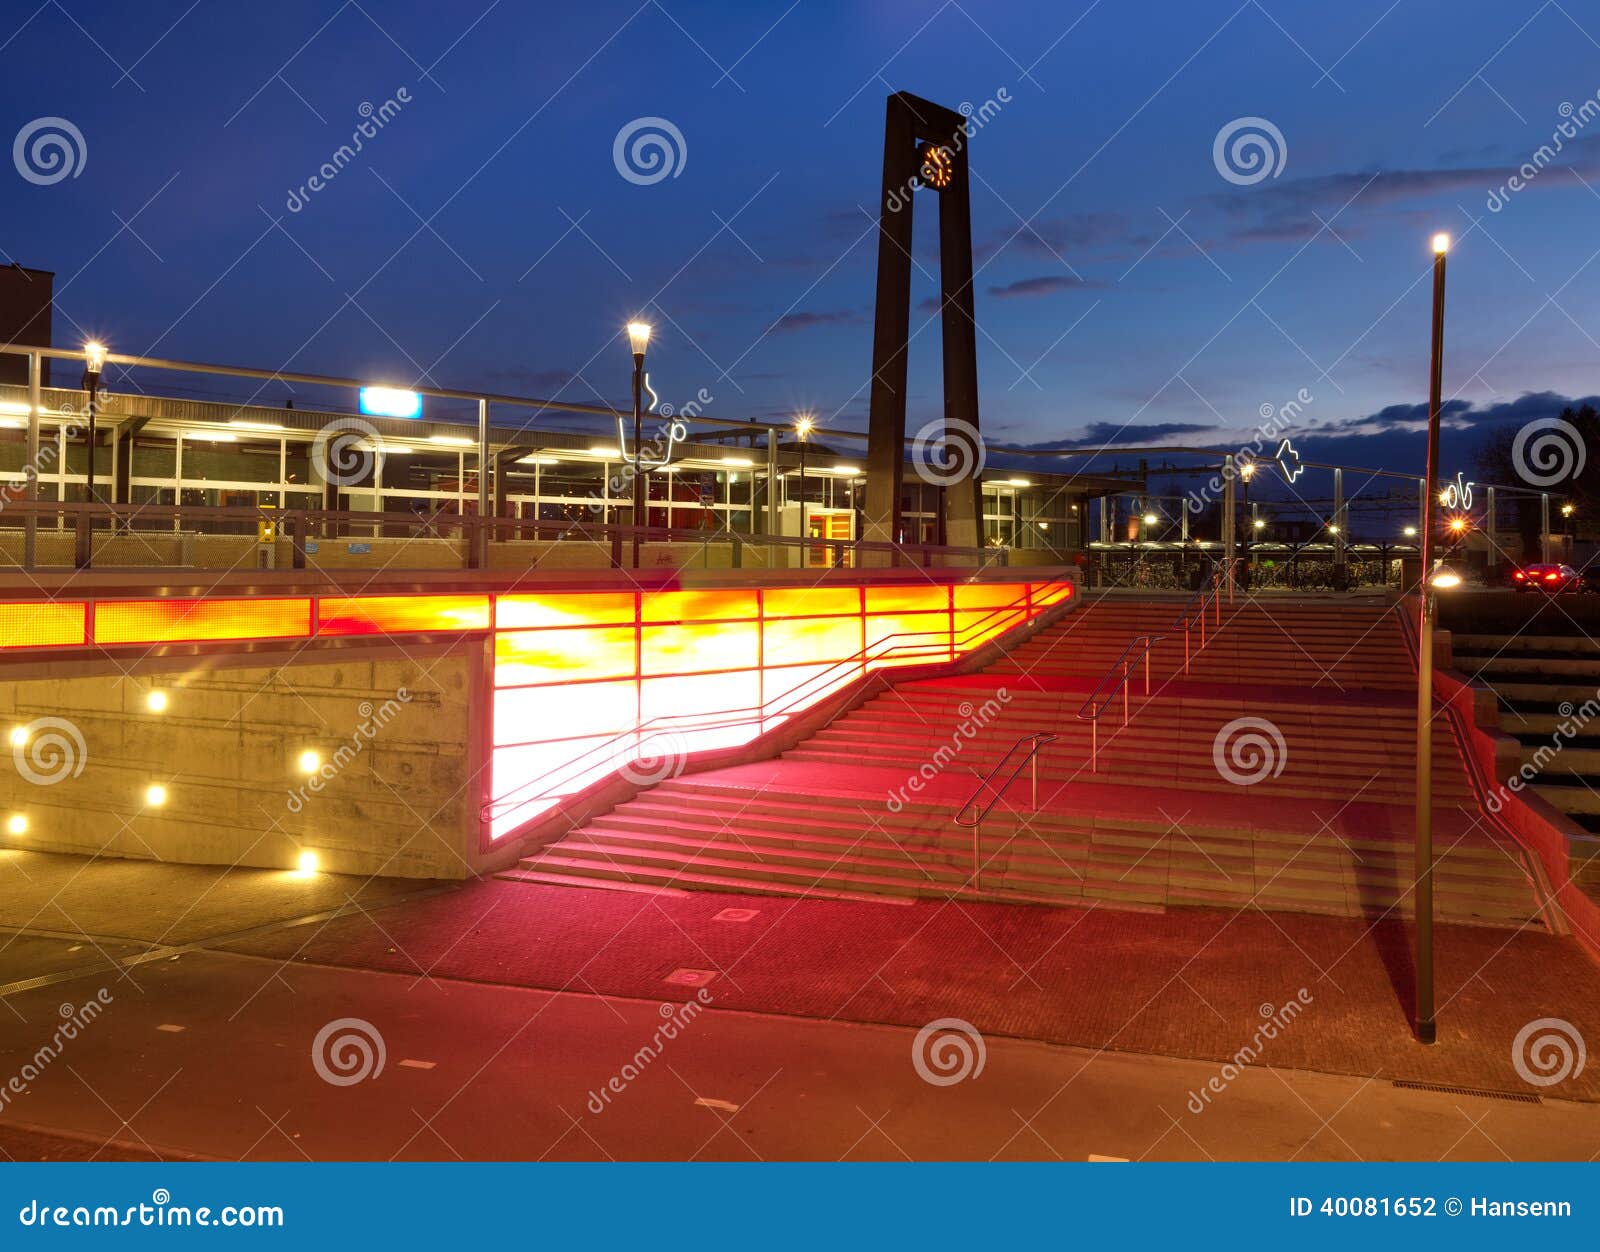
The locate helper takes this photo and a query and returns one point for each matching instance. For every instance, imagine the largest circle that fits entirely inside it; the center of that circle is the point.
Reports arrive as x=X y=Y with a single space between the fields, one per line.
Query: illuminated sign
x=390 y=402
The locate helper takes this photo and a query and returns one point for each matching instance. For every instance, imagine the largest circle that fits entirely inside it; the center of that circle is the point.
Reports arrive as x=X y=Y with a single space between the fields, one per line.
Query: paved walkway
x=1188 y=983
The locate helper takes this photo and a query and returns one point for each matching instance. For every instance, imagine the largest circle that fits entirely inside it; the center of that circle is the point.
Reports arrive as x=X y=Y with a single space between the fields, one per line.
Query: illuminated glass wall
x=586 y=685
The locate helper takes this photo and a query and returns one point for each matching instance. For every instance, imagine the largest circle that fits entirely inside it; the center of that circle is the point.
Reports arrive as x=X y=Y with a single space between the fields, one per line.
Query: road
x=211 y=1054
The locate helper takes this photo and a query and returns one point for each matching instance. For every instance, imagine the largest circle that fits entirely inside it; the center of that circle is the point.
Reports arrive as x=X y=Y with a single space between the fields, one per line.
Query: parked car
x=1548 y=578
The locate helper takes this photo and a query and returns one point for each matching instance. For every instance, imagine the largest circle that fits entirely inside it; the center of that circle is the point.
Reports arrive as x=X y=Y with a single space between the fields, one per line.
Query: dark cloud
x=804 y=321
x=1043 y=285
x=1103 y=434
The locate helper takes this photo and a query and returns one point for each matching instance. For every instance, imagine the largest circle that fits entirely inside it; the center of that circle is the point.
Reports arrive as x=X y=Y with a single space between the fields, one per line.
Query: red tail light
x=1520 y=576
x=1550 y=578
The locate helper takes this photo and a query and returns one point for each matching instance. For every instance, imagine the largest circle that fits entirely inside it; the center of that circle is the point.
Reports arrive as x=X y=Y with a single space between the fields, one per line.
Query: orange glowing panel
x=812 y=639
x=698 y=606
x=538 y=714
x=195 y=621
x=700 y=647
x=911 y=598
x=795 y=688
x=920 y=636
x=811 y=601
x=1050 y=593
x=393 y=615
x=41 y=624
x=583 y=609
x=990 y=595
x=978 y=626
x=701 y=700
x=522 y=657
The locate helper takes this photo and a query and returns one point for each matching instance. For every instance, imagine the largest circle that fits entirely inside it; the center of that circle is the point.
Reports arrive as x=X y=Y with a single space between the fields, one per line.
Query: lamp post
x=803 y=427
x=638 y=341
x=1426 y=1028
x=94 y=363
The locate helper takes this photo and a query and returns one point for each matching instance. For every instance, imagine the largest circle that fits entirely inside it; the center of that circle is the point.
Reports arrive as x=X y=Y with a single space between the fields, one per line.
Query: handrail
x=1209 y=595
x=1101 y=696
x=1035 y=741
x=555 y=776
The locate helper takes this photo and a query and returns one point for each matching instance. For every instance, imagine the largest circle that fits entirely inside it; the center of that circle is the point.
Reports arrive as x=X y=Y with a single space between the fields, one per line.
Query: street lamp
x=94 y=363
x=803 y=427
x=638 y=341
x=1427 y=1030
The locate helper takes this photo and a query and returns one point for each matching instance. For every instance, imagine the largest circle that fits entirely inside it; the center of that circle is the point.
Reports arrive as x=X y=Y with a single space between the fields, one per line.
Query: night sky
x=1127 y=292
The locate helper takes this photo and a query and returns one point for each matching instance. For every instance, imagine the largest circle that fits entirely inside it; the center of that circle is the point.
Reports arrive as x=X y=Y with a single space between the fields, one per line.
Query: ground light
x=156 y=701
x=310 y=761
x=16 y=824
x=155 y=795
x=306 y=863
x=19 y=736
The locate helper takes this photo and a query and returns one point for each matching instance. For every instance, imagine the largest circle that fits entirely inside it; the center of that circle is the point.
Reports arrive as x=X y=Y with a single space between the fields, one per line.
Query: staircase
x=1547 y=685
x=1157 y=825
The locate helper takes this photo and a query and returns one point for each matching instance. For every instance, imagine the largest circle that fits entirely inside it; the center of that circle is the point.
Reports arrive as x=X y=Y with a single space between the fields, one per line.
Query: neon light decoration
x=583 y=690
x=1458 y=495
x=1289 y=464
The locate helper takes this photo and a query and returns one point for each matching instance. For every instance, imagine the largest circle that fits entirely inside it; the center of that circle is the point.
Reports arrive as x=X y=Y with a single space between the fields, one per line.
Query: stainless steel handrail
x=1101 y=696
x=1208 y=596
x=1035 y=741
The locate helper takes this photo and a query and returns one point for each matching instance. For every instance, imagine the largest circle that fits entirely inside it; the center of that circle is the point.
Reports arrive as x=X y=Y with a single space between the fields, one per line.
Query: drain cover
x=691 y=977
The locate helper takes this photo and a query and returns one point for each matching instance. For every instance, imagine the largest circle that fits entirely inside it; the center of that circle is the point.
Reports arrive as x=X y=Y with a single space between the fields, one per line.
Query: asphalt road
x=216 y=1055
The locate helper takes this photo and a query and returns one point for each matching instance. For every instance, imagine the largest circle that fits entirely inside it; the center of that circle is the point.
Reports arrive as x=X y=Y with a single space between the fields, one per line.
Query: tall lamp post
x=803 y=427
x=1426 y=1028
x=94 y=363
x=638 y=341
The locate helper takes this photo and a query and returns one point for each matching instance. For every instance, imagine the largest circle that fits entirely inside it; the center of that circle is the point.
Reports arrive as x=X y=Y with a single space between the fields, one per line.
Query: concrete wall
x=396 y=791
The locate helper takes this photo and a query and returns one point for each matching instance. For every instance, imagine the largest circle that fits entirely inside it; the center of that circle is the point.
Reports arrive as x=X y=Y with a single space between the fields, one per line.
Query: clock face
x=938 y=166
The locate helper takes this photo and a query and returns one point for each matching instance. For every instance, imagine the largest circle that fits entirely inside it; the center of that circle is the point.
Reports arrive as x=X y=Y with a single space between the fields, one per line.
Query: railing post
x=977 y=861
x=738 y=549
x=1094 y=746
x=1147 y=671
x=82 y=541
x=1036 y=777
x=1186 y=645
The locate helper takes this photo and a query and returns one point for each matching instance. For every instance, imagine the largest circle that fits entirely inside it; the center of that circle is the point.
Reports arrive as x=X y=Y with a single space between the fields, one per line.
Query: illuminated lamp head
x=938 y=166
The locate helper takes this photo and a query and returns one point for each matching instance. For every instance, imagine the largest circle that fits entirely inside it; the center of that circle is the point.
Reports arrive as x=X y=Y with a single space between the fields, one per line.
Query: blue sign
x=359 y=549
x=390 y=402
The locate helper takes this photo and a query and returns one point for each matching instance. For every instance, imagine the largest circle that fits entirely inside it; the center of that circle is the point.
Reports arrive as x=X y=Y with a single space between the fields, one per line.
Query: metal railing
x=1035 y=741
x=1114 y=680
x=153 y=535
x=1208 y=597
x=1207 y=602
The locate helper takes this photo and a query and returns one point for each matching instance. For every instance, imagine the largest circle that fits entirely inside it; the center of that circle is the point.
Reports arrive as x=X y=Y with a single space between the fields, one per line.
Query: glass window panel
x=698 y=606
x=522 y=657
x=812 y=639
x=564 y=711
x=700 y=646
x=806 y=601
x=601 y=609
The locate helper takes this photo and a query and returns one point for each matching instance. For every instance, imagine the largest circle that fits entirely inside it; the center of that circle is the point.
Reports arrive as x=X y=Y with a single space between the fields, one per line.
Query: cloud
x=805 y=320
x=1106 y=434
x=1043 y=285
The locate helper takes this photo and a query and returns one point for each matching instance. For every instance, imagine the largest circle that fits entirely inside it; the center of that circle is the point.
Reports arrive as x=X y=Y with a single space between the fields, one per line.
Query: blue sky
x=485 y=238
